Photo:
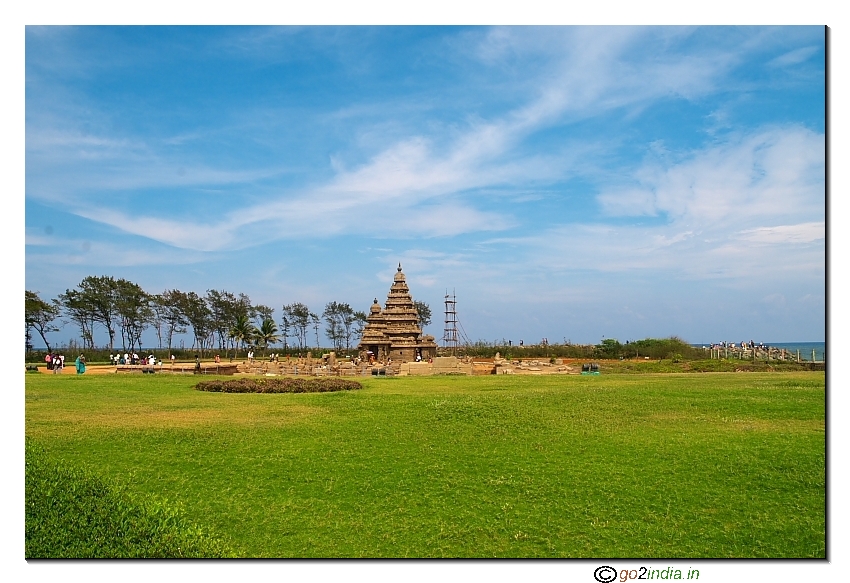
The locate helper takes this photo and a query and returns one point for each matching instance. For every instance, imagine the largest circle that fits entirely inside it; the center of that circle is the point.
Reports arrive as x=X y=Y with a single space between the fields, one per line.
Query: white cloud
x=793 y=57
x=771 y=174
x=791 y=234
x=63 y=251
x=173 y=232
x=750 y=208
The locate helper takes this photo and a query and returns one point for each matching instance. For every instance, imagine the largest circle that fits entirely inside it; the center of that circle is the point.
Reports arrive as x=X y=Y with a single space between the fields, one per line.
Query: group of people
x=742 y=346
x=56 y=363
x=273 y=357
x=126 y=358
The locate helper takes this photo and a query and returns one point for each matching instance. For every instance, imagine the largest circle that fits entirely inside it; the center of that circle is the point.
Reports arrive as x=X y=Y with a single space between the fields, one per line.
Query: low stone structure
x=444 y=365
x=328 y=365
x=394 y=333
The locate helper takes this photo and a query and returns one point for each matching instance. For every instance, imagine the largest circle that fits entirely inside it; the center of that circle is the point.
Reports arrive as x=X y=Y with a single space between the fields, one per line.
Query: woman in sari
x=81 y=364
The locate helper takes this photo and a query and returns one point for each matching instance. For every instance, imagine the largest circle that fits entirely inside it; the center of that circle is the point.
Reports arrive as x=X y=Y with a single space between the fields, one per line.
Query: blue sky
x=567 y=182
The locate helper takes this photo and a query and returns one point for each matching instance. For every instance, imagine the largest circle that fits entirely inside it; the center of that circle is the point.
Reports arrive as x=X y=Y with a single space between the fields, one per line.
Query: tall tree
x=334 y=329
x=317 y=323
x=158 y=318
x=224 y=308
x=261 y=313
x=266 y=334
x=101 y=295
x=80 y=310
x=349 y=319
x=359 y=323
x=297 y=317
x=134 y=311
x=424 y=311
x=340 y=319
x=40 y=315
x=242 y=332
x=169 y=307
x=284 y=332
x=198 y=314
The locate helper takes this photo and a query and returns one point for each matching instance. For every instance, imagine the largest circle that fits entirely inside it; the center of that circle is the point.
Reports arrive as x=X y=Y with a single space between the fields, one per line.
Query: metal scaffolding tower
x=450 y=335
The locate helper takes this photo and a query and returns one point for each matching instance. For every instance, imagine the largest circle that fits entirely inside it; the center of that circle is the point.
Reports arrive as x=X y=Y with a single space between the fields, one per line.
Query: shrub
x=71 y=513
x=278 y=385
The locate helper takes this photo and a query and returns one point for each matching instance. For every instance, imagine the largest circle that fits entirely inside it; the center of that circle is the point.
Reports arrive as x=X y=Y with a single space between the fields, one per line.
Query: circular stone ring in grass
x=282 y=385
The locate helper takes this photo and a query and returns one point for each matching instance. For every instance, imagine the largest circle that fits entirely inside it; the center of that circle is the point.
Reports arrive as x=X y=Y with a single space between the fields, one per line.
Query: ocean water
x=805 y=348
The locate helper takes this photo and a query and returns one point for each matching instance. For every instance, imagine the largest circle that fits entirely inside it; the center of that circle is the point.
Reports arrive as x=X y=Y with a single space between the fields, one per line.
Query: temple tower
x=394 y=332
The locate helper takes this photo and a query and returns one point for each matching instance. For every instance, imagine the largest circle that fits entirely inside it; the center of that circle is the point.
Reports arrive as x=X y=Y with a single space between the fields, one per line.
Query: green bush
x=278 y=385
x=71 y=513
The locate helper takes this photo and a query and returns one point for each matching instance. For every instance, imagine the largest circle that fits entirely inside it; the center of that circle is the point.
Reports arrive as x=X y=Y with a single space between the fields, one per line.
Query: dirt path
x=111 y=369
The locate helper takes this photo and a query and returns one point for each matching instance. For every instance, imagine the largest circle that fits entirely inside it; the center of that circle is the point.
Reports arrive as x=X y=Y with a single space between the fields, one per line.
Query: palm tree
x=266 y=334
x=242 y=331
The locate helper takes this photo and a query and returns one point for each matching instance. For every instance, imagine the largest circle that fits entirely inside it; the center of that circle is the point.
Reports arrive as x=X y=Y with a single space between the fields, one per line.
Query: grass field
x=687 y=465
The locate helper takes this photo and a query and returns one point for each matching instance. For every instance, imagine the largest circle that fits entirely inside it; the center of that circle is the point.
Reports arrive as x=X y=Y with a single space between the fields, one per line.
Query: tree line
x=655 y=348
x=124 y=311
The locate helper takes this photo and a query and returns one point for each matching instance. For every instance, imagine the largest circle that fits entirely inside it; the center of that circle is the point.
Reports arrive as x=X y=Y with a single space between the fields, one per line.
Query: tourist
x=197 y=363
x=48 y=358
x=172 y=360
x=80 y=364
x=217 y=359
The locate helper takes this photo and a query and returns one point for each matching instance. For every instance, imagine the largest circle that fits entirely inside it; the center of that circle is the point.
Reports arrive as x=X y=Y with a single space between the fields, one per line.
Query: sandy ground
x=71 y=369
x=109 y=369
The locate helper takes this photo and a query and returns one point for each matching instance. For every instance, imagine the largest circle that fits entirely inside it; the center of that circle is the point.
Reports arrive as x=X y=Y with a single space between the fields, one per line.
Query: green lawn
x=675 y=465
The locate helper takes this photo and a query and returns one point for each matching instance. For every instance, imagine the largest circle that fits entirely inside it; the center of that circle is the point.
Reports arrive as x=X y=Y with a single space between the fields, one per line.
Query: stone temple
x=394 y=332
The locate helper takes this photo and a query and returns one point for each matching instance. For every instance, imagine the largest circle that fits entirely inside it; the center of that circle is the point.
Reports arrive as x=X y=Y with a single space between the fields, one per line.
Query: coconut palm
x=242 y=331
x=266 y=334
